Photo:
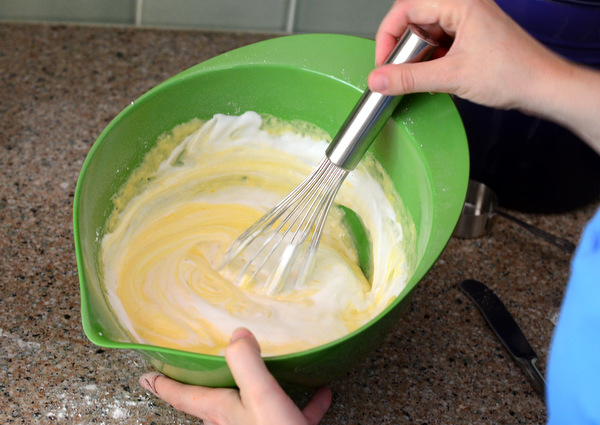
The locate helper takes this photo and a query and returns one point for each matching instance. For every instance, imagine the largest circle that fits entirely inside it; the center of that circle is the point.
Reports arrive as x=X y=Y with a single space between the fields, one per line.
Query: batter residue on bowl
x=197 y=190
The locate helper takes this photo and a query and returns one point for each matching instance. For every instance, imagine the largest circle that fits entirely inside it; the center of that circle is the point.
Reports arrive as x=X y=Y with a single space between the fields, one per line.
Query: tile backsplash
x=118 y=12
x=355 y=17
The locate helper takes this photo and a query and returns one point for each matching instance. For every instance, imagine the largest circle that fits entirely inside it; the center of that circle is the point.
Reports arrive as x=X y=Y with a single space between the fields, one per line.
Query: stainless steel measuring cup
x=480 y=212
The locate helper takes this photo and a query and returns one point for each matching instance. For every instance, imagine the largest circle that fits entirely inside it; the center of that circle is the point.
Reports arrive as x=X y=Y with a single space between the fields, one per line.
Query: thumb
x=246 y=364
x=408 y=78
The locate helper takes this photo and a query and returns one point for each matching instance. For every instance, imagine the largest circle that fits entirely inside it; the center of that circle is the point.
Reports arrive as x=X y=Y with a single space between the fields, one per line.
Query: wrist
x=568 y=94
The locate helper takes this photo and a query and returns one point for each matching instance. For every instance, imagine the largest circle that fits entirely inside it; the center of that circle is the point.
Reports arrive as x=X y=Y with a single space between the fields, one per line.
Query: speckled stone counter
x=60 y=86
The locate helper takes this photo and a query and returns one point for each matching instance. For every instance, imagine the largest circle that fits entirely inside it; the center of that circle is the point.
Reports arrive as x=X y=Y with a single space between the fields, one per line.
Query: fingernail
x=238 y=333
x=378 y=83
x=148 y=382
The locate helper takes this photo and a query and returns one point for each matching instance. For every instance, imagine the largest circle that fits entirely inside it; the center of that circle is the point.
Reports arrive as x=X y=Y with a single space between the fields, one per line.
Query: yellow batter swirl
x=176 y=217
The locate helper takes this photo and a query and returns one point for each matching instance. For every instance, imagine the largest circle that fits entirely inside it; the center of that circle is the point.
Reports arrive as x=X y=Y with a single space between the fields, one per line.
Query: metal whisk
x=279 y=249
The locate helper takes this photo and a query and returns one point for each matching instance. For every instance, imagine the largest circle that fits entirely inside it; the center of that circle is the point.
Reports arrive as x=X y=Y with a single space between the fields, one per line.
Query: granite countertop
x=60 y=87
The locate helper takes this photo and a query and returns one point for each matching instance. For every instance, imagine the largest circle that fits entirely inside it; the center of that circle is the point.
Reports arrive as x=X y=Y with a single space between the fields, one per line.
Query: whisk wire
x=283 y=232
x=257 y=229
x=314 y=209
x=322 y=216
x=288 y=256
x=267 y=220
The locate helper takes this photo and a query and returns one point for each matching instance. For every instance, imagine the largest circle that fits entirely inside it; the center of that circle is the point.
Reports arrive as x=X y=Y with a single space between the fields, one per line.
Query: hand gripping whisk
x=278 y=250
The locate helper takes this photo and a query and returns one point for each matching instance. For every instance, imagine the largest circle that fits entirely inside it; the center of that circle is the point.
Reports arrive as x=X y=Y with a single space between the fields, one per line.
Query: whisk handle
x=373 y=109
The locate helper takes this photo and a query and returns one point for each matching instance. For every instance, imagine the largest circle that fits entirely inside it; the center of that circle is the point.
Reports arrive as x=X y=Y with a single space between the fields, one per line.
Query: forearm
x=569 y=94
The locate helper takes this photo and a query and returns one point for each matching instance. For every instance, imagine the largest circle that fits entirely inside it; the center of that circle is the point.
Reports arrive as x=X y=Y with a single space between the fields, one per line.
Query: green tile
x=355 y=17
x=84 y=11
x=249 y=15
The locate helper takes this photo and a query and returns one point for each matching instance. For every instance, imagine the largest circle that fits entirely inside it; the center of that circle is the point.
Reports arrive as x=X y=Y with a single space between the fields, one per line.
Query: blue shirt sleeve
x=573 y=389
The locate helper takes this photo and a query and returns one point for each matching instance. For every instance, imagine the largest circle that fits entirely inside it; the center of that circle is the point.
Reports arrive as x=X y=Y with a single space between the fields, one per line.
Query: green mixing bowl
x=314 y=78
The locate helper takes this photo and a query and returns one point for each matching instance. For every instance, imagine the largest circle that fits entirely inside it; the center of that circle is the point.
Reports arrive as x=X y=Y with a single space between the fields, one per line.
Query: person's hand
x=259 y=400
x=491 y=61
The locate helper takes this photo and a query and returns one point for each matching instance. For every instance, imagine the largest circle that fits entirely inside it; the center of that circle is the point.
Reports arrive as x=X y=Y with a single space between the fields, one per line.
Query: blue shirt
x=573 y=389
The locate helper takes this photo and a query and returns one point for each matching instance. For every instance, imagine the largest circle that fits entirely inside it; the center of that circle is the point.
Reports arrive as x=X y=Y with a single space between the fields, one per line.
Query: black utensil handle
x=506 y=329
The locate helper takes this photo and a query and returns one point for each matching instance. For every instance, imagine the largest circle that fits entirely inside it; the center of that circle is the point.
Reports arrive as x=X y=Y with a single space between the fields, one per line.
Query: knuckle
x=404 y=81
